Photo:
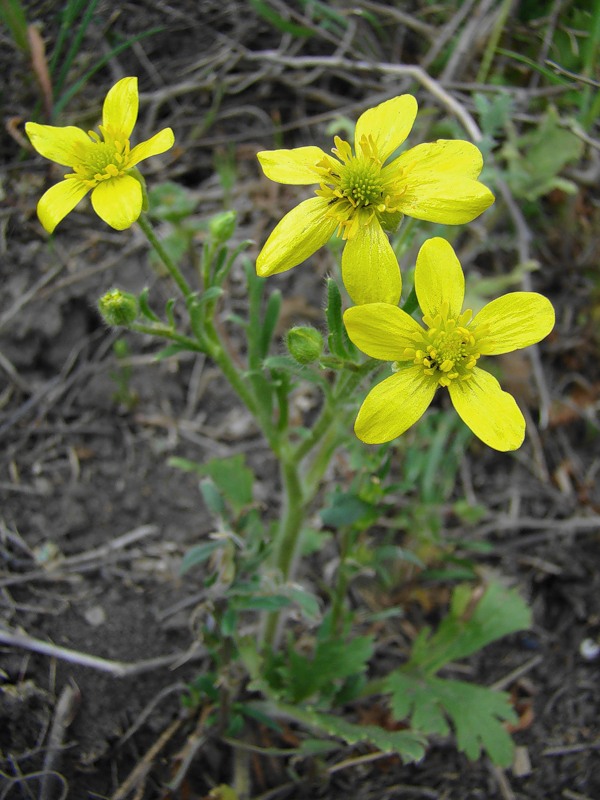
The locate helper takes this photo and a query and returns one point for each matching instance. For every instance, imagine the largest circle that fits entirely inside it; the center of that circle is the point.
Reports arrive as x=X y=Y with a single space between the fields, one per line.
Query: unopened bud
x=118 y=308
x=222 y=226
x=304 y=344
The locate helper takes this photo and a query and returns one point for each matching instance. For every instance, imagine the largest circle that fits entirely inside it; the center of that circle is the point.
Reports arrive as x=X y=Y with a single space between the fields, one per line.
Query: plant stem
x=167 y=333
x=171 y=266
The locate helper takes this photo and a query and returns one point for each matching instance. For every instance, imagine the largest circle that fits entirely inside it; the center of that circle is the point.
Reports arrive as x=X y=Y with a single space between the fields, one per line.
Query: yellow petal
x=370 y=269
x=491 y=413
x=449 y=200
x=297 y=236
x=296 y=167
x=394 y=405
x=381 y=330
x=438 y=278
x=58 y=201
x=515 y=320
x=445 y=157
x=439 y=182
x=120 y=109
x=66 y=146
x=118 y=201
x=159 y=143
x=388 y=123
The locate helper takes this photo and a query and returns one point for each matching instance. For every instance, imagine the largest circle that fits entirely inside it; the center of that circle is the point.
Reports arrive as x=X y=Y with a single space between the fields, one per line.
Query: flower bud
x=304 y=344
x=118 y=308
x=222 y=226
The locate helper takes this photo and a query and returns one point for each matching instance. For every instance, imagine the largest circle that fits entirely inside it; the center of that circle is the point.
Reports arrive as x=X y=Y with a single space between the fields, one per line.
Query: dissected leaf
x=332 y=662
x=476 y=712
x=471 y=624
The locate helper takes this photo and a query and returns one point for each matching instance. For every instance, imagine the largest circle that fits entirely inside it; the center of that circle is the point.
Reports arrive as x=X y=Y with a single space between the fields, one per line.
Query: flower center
x=103 y=159
x=354 y=186
x=448 y=349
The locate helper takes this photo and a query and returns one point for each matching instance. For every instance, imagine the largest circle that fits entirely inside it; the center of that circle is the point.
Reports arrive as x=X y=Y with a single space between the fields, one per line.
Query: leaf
x=477 y=712
x=536 y=159
x=471 y=624
x=271 y=602
x=231 y=475
x=333 y=661
x=346 y=508
x=408 y=745
x=198 y=554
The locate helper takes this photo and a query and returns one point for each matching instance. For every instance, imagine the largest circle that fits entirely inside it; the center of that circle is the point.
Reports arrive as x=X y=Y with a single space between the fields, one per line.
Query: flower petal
x=438 y=278
x=381 y=330
x=439 y=182
x=491 y=413
x=159 y=143
x=445 y=157
x=118 y=201
x=388 y=123
x=370 y=269
x=296 y=167
x=297 y=236
x=120 y=109
x=449 y=200
x=66 y=146
x=58 y=201
x=515 y=320
x=394 y=405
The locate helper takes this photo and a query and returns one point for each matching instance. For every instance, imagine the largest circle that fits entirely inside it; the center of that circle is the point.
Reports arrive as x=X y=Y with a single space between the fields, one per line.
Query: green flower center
x=354 y=186
x=103 y=160
x=448 y=349
x=360 y=182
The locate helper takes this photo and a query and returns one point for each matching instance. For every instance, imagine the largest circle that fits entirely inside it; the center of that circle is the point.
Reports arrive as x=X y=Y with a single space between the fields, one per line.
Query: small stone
x=95 y=616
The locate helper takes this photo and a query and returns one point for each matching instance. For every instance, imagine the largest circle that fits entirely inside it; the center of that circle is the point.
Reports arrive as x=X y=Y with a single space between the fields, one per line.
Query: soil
x=94 y=522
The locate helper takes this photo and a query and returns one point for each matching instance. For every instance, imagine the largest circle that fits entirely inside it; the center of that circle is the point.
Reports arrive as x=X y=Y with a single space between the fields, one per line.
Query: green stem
x=171 y=266
x=339 y=593
x=221 y=357
x=168 y=333
x=287 y=538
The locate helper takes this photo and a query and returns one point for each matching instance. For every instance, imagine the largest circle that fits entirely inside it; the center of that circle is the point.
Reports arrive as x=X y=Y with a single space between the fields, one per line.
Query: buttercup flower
x=445 y=352
x=360 y=195
x=103 y=164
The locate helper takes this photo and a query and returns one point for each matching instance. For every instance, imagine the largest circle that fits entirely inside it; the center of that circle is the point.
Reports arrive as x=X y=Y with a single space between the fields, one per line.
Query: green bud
x=222 y=226
x=118 y=308
x=305 y=344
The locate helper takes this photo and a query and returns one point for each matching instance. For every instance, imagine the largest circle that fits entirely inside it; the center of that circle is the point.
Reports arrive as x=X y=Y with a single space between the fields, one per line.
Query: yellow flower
x=445 y=352
x=361 y=195
x=104 y=165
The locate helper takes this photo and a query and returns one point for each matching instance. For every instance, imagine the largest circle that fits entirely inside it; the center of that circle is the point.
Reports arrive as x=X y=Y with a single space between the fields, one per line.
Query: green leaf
x=308 y=602
x=212 y=497
x=145 y=307
x=333 y=661
x=198 y=555
x=333 y=312
x=408 y=745
x=170 y=201
x=269 y=323
x=170 y=350
x=269 y=14
x=471 y=624
x=270 y=602
x=476 y=712
x=346 y=508
x=536 y=159
x=13 y=15
x=231 y=475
